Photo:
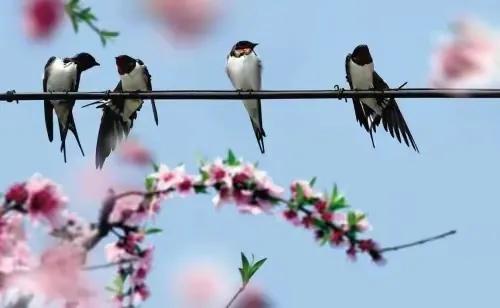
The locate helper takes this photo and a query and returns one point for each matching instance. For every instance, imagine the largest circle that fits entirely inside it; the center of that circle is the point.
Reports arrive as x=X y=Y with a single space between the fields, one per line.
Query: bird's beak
x=97 y=64
x=255 y=44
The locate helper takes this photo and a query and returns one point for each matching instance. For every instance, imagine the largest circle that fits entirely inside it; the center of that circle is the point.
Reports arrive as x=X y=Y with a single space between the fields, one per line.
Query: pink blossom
x=168 y=179
x=128 y=210
x=141 y=293
x=17 y=193
x=185 y=186
x=217 y=173
x=223 y=196
x=15 y=253
x=41 y=17
x=306 y=189
x=46 y=200
x=143 y=266
x=116 y=253
x=132 y=151
x=470 y=58
x=187 y=19
x=58 y=276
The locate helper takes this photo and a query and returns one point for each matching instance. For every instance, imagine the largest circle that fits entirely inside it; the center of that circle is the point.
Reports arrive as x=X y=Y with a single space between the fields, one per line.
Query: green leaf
x=231 y=159
x=200 y=189
x=152 y=231
x=149 y=183
x=109 y=34
x=255 y=267
x=299 y=195
x=155 y=166
x=244 y=262
x=242 y=274
x=119 y=283
x=351 y=219
x=337 y=200
x=312 y=181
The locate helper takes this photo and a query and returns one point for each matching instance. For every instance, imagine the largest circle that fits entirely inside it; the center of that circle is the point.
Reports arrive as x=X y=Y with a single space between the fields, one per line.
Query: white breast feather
x=244 y=72
x=134 y=81
x=61 y=76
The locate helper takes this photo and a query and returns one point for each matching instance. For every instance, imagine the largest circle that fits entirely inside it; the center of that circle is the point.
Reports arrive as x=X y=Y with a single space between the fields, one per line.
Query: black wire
x=338 y=93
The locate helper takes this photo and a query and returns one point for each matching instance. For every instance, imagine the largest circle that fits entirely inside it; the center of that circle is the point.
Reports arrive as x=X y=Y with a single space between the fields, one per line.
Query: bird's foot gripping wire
x=107 y=94
x=10 y=96
x=340 y=92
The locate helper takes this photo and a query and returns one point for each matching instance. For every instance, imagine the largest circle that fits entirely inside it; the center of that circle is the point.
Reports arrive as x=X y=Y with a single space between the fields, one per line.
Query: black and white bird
x=63 y=75
x=361 y=75
x=244 y=69
x=118 y=113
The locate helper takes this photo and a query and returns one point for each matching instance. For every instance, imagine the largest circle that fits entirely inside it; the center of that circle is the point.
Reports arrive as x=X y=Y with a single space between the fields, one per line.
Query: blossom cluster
x=253 y=191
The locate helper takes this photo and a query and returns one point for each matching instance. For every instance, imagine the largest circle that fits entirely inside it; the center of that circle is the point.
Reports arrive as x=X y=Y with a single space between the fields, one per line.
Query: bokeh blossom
x=186 y=20
x=42 y=17
x=469 y=57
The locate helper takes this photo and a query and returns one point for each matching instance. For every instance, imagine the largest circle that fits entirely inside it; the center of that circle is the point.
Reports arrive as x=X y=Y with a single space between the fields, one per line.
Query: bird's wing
x=359 y=111
x=147 y=75
x=113 y=128
x=47 y=105
x=392 y=118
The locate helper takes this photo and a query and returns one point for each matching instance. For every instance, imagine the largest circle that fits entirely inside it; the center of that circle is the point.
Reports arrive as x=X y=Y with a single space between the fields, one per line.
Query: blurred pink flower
x=15 y=253
x=133 y=152
x=41 y=17
x=46 y=200
x=128 y=210
x=469 y=58
x=186 y=19
x=253 y=298
x=202 y=285
x=58 y=277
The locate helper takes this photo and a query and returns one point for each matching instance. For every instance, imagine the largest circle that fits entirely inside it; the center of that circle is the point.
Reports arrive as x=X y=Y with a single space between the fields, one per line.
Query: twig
x=417 y=243
x=235 y=296
x=108 y=265
x=340 y=93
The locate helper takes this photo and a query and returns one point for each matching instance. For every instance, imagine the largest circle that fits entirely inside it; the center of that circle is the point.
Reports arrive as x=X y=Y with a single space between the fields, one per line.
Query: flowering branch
x=79 y=14
x=126 y=216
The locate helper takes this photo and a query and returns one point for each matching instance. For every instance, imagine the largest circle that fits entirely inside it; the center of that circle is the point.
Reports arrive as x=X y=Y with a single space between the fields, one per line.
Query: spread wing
x=47 y=105
x=147 y=75
x=392 y=118
x=112 y=128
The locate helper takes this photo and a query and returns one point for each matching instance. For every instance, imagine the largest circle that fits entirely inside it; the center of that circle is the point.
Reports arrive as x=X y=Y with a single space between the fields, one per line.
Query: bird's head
x=125 y=64
x=242 y=48
x=361 y=55
x=85 y=61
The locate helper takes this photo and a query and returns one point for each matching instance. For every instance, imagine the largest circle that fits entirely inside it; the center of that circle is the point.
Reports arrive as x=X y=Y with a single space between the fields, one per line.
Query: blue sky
x=451 y=184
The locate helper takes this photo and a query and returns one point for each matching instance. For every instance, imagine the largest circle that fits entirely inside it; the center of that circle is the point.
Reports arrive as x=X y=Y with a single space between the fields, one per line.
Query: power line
x=11 y=96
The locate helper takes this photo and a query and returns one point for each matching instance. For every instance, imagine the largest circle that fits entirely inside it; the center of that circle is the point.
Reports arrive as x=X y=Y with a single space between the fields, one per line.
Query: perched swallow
x=244 y=69
x=63 y=75
x=361 y=75
x=119 y=114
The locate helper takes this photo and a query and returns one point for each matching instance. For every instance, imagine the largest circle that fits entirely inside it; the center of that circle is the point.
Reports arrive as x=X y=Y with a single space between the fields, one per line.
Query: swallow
x=119 y=113
x=244 y=69
x=63 y=75
x=361 y=75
